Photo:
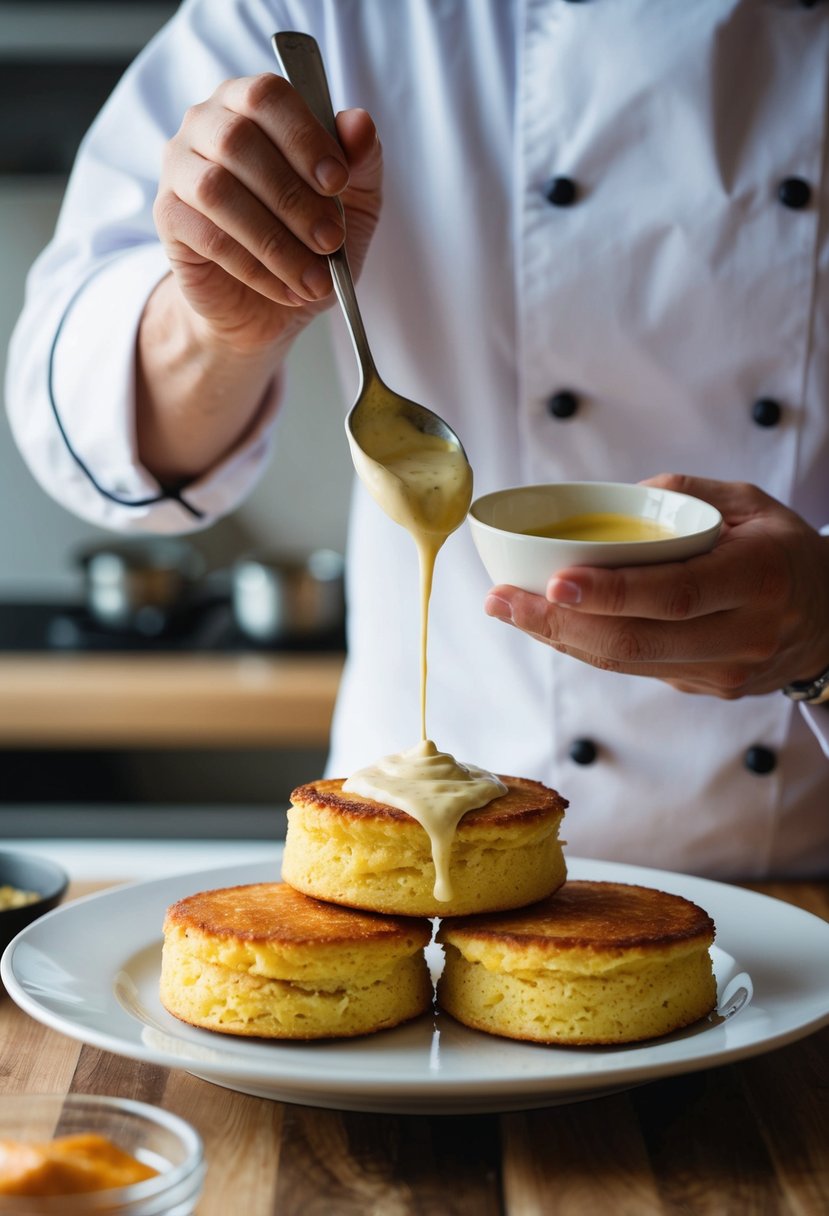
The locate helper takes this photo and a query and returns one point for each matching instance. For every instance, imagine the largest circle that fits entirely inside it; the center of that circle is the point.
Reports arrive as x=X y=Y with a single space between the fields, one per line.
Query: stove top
x=207 y=626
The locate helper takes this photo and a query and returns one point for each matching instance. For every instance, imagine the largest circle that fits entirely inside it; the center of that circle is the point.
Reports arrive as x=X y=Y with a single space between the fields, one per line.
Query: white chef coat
x=672 y=293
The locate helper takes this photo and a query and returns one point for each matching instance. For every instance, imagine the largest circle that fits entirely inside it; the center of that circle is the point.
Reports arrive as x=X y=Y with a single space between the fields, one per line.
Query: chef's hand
x=245 y=207
x=245 y=211
x=747 y=618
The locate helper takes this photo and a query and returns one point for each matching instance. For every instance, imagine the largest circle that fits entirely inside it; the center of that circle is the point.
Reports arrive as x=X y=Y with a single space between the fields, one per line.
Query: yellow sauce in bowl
x=13 y=897
x=602 y=526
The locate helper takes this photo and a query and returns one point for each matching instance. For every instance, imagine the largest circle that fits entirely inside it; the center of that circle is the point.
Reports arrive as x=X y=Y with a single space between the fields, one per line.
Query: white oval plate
x=90 y=970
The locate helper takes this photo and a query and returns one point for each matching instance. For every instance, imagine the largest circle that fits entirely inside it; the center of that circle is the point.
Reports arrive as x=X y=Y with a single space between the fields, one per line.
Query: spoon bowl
x=375 y=395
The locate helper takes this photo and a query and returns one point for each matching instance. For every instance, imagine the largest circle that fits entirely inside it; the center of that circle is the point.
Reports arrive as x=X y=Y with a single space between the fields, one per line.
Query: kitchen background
x=58 y=62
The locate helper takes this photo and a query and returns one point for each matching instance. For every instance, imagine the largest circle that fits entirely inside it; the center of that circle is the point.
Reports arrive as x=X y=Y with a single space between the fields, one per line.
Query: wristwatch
x=813 y=692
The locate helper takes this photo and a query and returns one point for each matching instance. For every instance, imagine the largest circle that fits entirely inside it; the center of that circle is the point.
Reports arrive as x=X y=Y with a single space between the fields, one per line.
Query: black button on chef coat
x=760 y=760
x=583 y=751
x=766 y=411
x=563 y=404
x=794 y=192
x=562 y=192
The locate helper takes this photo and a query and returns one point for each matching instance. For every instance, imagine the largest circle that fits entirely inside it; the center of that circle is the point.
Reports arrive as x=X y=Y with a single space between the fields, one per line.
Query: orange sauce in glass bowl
x=67 y=1165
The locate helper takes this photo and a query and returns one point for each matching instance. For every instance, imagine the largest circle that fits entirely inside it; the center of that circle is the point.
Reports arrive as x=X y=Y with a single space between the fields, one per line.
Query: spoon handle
x=300 y=59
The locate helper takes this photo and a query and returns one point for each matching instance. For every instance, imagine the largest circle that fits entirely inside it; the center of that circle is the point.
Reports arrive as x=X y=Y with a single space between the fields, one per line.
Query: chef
x=601 y=253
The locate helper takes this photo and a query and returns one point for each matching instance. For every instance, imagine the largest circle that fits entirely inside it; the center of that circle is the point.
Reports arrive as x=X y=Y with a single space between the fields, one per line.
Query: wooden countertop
x=169 y=700
x=751 y=1137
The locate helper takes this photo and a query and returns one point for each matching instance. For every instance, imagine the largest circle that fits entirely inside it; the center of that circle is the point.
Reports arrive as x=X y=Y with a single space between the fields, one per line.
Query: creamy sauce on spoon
x=424 y=483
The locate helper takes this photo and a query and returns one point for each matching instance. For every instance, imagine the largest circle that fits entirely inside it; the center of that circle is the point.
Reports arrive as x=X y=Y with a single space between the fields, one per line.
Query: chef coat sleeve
x=71 y=367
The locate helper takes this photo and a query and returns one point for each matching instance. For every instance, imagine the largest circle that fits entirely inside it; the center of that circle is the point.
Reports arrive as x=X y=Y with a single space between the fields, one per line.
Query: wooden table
x=167 y=700
x=749 y=1139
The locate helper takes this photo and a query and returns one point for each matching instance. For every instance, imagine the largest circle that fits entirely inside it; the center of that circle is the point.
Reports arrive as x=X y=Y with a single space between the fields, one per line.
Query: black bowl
x=28 y=872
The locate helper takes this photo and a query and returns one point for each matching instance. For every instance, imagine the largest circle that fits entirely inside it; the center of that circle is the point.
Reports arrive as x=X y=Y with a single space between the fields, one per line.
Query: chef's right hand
x=246 y=212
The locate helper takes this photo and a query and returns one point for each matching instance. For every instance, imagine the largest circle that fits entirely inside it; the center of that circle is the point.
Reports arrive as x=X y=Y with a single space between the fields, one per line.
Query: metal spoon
x=300 y=59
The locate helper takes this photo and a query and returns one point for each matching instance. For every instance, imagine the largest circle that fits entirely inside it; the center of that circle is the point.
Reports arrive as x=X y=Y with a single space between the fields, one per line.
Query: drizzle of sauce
x=424 y=483
x=435 y=789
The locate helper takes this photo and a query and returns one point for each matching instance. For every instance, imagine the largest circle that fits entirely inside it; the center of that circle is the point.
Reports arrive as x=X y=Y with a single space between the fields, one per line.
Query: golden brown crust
x=601 y=916
x=275 y=913
x=524 y=801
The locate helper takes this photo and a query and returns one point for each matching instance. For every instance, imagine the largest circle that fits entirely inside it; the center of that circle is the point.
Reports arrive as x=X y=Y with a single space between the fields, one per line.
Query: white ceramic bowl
x=499 y=521
x=154 y=1136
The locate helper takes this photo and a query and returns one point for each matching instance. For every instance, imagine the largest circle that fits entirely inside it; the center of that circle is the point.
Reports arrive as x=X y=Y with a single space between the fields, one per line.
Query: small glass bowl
x=155 y=1137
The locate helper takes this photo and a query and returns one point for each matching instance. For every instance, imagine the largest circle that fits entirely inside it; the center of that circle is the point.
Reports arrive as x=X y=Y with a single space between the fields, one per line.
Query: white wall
x=288 y=511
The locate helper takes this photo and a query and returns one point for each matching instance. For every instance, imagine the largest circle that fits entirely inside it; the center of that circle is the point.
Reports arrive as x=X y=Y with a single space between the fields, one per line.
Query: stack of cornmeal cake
x=337 y=948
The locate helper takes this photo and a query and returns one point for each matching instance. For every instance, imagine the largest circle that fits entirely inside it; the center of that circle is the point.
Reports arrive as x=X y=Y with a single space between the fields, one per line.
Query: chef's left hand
x=745 y=619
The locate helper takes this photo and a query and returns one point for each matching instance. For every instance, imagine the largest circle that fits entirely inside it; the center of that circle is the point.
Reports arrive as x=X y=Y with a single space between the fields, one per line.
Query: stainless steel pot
x=281 y=599
x=140 y=585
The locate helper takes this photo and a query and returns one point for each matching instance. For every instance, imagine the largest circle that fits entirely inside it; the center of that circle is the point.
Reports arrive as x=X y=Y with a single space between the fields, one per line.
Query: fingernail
x=291 y=297
x=328 y=235
x=331 y=174
x=562 y=591
x=495 y=606
x=317 y=280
